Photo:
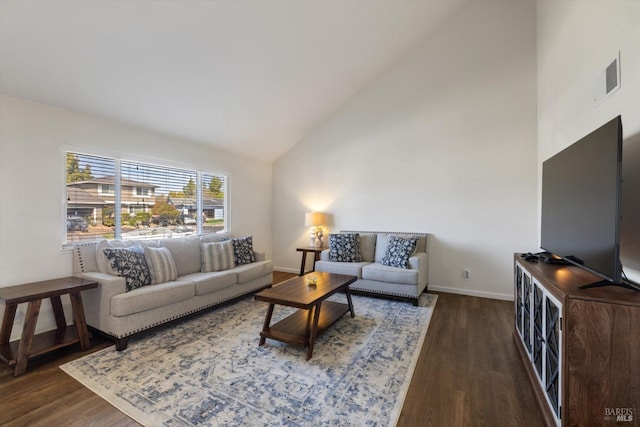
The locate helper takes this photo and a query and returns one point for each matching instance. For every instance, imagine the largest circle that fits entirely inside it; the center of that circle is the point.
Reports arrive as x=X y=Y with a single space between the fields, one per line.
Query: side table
x=316 y=257
x=18 y=352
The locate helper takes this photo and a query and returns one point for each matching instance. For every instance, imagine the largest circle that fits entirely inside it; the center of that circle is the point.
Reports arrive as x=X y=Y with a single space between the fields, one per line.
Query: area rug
x=209 y=370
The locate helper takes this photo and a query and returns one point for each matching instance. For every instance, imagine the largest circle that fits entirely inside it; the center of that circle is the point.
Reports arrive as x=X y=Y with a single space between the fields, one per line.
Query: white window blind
x=154 y=201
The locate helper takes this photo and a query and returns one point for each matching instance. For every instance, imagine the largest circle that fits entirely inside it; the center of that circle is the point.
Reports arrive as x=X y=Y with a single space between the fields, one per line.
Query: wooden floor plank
x=468 y=373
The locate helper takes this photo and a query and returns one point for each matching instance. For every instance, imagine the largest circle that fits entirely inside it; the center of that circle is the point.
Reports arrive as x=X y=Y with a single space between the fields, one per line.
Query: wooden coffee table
x=314 y=314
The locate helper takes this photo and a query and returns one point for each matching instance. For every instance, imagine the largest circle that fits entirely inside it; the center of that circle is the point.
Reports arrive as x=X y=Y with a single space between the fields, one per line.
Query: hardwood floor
x=468 y=374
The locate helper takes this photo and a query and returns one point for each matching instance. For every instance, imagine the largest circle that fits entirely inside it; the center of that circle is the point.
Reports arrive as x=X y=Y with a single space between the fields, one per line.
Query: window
x=107 y=188
x=152 y=201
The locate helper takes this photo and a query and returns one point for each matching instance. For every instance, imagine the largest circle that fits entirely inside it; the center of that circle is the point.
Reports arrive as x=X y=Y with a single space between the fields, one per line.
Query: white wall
x=576 y=40
x=32 y=140
x=444 y=142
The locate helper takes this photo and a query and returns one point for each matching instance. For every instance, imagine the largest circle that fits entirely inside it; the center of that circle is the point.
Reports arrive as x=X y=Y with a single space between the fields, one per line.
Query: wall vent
x=608 y=81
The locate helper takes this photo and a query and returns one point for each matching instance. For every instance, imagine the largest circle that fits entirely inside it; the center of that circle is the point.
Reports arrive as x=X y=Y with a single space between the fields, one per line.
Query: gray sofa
x=378 y=279
x=119 y=313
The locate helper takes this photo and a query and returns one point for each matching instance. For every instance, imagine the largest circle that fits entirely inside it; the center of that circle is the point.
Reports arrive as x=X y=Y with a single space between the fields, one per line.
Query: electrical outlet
x=466 y=274
x=19 y=318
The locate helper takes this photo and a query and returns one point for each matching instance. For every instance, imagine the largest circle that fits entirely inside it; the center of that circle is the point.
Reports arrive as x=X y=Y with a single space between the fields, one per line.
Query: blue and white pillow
x=130 y=264
x=398 y=252
x=243 y=250
x=344 y=247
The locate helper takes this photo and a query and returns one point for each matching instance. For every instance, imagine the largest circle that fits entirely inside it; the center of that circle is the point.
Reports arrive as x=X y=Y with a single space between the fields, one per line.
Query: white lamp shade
x=313 y=219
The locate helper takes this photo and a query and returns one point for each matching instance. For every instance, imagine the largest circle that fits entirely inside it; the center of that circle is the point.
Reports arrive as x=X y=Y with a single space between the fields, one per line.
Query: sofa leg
x=121 y=343
x=416 y=302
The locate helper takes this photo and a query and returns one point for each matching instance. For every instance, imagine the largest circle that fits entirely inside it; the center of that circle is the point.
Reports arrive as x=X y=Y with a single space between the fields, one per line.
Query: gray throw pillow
x=217 y=256
x=161 y=266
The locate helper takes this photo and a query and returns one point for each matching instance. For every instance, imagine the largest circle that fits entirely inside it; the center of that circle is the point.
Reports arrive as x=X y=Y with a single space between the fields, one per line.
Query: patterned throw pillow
x=161 y=266
x=243 y=250
x=344 y=247
x=130 y=264
x=398 y=252
x=217 y=256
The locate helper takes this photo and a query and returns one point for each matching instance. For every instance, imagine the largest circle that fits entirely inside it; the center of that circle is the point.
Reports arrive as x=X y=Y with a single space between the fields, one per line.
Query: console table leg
x=27 y=337
x=58 y=312
x=7 y=323
x=81 y=323
x=303 y=264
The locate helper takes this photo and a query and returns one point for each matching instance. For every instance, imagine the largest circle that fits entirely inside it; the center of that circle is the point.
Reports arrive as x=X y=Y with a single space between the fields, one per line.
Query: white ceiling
x=249 y=76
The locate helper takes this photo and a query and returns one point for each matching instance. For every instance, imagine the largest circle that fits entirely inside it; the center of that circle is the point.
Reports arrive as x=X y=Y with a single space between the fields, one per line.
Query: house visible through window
x=152 y=201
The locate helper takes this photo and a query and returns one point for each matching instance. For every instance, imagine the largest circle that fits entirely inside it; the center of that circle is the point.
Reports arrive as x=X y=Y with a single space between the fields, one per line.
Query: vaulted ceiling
x=248 y=76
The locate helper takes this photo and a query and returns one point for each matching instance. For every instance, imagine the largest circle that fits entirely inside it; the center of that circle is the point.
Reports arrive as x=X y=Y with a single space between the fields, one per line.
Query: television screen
x=581 y=187
x=630 y=206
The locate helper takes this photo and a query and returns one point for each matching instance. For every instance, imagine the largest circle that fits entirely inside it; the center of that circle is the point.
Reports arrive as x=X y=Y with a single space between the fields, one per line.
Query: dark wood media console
x=580 y=347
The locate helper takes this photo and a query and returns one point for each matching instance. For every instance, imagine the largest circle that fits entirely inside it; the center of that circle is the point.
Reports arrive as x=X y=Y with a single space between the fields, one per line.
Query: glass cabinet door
x=538 y=338
x=552 y=354
x=526 y=317
x=518 y=299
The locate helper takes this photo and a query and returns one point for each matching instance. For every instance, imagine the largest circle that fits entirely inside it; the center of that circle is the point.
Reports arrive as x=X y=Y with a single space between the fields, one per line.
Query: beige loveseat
x=376 y=278
x=113 y=310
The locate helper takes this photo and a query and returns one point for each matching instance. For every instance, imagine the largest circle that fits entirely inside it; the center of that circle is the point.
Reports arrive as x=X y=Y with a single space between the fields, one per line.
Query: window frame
x=115 y=191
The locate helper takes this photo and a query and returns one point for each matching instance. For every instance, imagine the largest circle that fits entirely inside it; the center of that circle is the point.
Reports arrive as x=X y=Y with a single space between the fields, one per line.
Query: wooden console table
x=18 y=352
x=316 y=257
x=579 y=346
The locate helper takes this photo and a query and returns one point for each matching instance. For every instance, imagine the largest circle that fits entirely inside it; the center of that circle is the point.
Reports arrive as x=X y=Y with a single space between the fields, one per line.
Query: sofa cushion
x=130 y=264
x=185 y=252
x=150 y=297
x=248 y=272
x=368 y=246
x=383 y=273
x=162 y=268
x=207 y=283
x=217 y=256
x=243 y=250
x=344 y=247
x=398 y=252
x=348 y=268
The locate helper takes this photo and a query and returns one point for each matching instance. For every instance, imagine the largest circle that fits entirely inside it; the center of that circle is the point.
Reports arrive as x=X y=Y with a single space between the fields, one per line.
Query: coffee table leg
x=348 y=292
x=314 y=330
x=267 y=322
x=33 y=309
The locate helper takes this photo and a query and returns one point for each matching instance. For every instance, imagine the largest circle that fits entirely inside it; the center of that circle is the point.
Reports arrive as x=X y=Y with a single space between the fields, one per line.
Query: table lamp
x=315 y=221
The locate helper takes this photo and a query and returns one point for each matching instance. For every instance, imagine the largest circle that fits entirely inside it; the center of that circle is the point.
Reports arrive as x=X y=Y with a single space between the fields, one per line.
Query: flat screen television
x=581 y=201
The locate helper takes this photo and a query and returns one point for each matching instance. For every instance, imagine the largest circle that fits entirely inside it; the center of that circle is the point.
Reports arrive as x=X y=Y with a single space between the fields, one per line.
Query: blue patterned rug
x=209 y=369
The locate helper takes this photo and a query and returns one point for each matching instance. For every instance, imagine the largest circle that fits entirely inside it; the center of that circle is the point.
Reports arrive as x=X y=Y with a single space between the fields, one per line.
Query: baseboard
x=472 y=293
x=287 y=270
x=446 y=289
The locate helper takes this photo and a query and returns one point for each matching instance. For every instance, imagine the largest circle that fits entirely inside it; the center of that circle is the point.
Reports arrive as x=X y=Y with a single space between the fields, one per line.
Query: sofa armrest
x=324 y=255
x=260 y=256
x=97 y=301
x=420 y=261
